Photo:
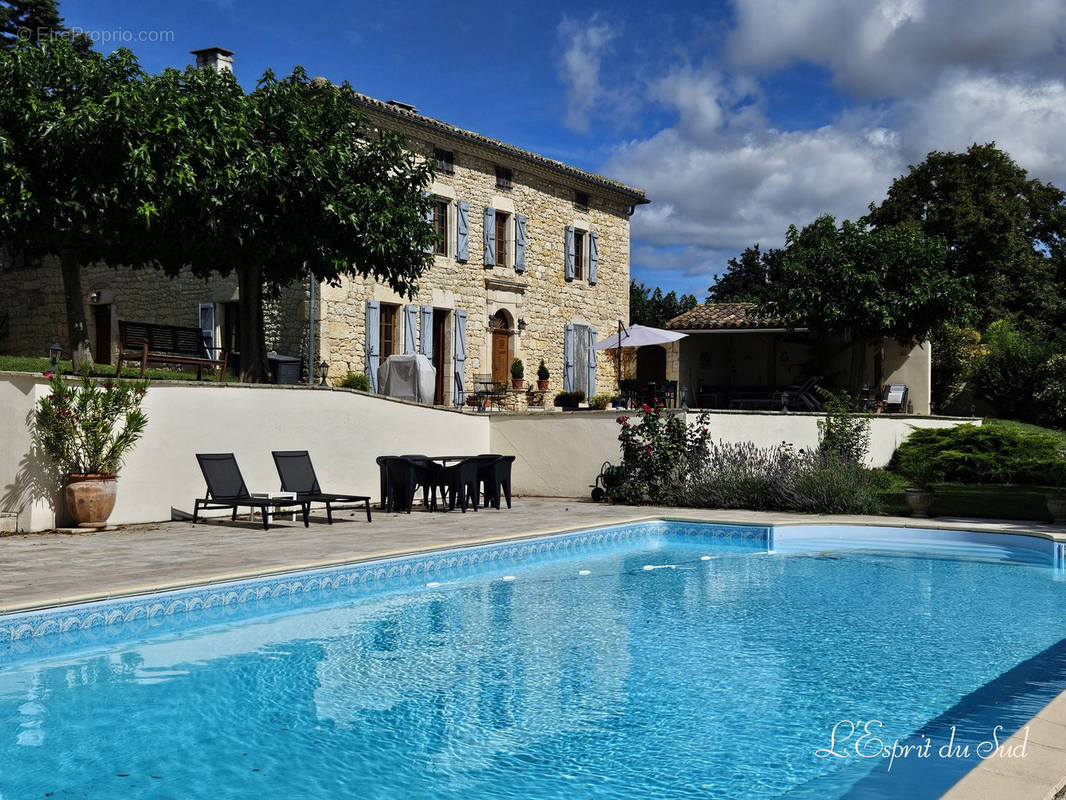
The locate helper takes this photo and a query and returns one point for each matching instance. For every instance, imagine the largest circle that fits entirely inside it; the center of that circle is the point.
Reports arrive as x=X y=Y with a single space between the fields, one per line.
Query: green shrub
x=842 y=433
x=356 y=380
x=600 y=401
x=659 y=454
x=1009 y=370
x=1050 y=395
x=569 y=399
x=991 y=453
x=518 y=371
x=955 y=353
x=542 y=372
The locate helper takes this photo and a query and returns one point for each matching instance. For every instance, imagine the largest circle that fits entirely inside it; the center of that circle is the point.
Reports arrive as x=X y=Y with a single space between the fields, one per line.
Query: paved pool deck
x=60 y=567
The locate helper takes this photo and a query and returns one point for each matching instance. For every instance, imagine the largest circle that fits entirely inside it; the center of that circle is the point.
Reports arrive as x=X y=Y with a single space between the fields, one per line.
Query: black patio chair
x=458 y=483
x=500 y=477
x=405 y=474
x=298 y=475
x=226 y=489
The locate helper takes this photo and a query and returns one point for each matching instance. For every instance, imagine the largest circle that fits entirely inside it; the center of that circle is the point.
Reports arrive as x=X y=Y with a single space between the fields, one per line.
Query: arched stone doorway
x=502 y=344
x=651 y=364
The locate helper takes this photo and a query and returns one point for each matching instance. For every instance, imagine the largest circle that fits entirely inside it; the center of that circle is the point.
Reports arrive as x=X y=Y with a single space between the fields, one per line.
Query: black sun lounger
x=298 y=475
x=226 y=489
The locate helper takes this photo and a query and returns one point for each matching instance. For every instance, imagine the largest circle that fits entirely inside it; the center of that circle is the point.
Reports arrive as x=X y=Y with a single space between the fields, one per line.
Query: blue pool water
x=670 y=665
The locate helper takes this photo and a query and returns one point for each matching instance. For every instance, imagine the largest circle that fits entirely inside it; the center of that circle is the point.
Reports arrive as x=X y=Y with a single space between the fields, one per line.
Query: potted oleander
x=542 y=377
x=920 y=473
x=518 y=373
x=87 y=429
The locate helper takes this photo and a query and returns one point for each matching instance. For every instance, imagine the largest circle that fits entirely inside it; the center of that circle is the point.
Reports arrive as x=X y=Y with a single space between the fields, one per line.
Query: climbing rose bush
x=659 y=453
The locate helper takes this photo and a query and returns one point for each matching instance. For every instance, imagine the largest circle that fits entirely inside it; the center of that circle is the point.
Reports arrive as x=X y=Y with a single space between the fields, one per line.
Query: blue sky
x=737 y=118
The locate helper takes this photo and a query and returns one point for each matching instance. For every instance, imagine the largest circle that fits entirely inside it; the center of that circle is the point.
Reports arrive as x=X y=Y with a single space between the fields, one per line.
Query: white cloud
x=579 y=68
x=889 y=47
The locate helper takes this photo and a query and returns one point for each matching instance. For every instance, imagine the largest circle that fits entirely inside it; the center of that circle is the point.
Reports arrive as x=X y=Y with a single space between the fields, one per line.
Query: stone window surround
x=583 y=226
x=442 y=191
x=506 y=205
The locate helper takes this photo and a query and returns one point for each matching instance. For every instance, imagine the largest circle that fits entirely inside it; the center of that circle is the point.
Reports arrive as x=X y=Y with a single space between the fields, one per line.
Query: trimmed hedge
x=990 y=453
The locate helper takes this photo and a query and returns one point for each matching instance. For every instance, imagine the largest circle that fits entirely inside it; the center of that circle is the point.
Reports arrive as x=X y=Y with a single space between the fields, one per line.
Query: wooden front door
x=102 y=323
x=501 y=349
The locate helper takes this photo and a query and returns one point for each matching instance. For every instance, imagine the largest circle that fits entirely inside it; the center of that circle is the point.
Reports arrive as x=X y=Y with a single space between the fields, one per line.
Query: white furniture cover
x=408 y=377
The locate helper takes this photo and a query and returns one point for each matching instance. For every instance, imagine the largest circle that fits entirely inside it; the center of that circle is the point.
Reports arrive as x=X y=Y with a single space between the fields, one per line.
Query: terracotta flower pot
x=542 y=386
x=919 y=501
x=518 y=383
x=90 y=498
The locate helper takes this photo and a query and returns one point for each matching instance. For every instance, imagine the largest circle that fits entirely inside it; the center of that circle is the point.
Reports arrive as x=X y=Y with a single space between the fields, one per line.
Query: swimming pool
x=656 y=659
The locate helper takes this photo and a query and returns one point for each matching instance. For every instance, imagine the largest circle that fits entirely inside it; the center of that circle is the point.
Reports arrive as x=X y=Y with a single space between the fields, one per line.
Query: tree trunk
x=879 y=368
x=77 y=325
x=253 y=350
x=858 y=363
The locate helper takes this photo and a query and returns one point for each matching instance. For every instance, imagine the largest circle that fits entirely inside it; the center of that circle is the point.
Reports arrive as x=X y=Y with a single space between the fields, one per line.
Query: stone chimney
x=215 y=57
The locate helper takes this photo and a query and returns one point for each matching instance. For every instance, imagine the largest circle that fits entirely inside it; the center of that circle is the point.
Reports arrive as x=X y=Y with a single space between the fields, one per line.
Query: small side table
x=291 y=510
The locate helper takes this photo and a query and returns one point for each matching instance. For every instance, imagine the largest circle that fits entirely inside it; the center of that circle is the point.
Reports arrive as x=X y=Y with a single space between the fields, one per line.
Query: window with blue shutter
x=462 y=231
x=428 y=217
x=410 y=328
x=490 y=237
x=425 y=335
x=594 y=256
x=592 y=362
x=373 y=345
x=568 y=358
x=569 y=253
x=520 y=243
x=460 y=356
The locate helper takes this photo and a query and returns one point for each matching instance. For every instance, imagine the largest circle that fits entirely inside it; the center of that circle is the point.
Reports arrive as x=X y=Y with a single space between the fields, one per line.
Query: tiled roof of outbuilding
x=722 y=316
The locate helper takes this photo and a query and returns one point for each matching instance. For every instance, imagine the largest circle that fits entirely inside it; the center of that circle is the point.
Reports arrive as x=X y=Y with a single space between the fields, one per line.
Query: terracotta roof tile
x=722 y=316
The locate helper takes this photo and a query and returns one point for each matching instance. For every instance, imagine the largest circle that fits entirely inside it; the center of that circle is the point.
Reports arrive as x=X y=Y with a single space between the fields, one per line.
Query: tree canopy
x=653 y=308
x=101 y=161
x=1002 y=228
x=866 y=285
x=35 y=21
x=748 y=278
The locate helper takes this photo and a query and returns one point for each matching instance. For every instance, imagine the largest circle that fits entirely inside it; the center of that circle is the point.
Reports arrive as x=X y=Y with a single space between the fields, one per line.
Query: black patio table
x=387 y=498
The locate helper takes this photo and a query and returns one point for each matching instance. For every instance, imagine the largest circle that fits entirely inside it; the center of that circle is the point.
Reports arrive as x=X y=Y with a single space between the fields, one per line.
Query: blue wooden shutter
x=462 y=231
x=410 y=326
x=520 y=243
x=460 y=356
x=594 y=256
x=592 y=361
x=425 y=336
x=429 y=218
x=490 y=237
x=373 y=342
x=568 y=358
x=569 y=273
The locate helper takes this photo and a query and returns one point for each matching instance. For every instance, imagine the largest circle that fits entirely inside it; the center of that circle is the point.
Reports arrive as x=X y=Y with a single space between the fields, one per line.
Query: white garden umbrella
x=637 y=336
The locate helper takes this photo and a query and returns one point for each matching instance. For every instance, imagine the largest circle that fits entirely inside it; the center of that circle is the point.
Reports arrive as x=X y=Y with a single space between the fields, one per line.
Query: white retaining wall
x=558 y=454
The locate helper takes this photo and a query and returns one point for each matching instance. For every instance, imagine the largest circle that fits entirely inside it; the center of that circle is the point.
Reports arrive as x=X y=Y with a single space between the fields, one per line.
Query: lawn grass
x=985 y=500
x=40 y=365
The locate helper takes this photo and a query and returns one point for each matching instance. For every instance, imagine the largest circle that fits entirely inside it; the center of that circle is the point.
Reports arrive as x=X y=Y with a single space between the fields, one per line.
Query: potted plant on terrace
x=518 y=372
x=87 y=430
x=919 y=473
x=542 y=377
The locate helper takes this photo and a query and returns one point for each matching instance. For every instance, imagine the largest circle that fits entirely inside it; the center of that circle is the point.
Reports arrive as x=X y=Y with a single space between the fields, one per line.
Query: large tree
x=866 y=285
x=75 y=177
x=286 y=179
x=35 y=21
x=653 y=308
x=747 y=278
x=1003 y=229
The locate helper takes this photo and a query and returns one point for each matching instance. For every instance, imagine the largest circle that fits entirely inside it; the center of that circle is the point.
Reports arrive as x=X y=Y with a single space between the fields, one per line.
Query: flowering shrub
x=659 y=453
x=89 y=429
x=780 y=479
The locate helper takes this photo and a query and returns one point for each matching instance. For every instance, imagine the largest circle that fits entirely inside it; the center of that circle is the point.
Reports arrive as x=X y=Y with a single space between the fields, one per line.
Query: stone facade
x=546 y=193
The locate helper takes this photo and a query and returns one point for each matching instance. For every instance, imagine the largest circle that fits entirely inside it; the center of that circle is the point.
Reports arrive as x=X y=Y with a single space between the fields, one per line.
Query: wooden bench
x=147 y=343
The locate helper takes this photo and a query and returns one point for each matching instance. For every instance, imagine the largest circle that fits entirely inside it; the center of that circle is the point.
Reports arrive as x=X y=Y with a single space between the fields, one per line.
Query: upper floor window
x=440 y=226
x=502 y=219
x=581 y=201
x=504 y=178
x=388 y=331
x=580 y=254
x=445 y=161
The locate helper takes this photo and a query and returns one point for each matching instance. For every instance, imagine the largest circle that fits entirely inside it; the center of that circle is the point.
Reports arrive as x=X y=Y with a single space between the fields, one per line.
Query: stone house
x=532 y=262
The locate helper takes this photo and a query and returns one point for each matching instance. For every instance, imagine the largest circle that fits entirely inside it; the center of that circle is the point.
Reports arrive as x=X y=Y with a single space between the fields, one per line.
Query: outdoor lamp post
x=54 y=352
x=323 y=370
